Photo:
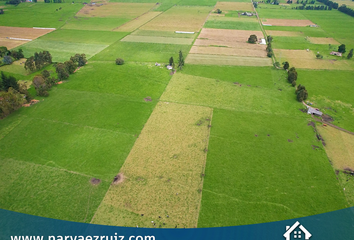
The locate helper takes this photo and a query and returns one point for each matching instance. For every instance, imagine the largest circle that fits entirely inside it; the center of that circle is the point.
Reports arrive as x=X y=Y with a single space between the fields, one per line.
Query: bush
x=319 y=56
x=119 y=61
x=7 y=60
x=218 y=11
x=252 y=39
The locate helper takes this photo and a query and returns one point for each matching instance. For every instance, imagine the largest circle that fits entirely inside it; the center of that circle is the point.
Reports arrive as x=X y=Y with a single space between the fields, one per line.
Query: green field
x=220 y=142
x=141 y=52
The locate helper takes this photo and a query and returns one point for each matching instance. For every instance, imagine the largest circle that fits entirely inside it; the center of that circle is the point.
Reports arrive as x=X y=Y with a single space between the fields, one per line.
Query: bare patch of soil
x=327 y=118
x=147 y=99
x=95 y=181
x=119 y=178
x=289 y=140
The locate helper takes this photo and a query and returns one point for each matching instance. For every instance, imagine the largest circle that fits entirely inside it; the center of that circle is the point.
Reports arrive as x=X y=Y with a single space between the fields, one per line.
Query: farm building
x=314 y=111
x=336 y=54
x=262 y=41
x=247 y=14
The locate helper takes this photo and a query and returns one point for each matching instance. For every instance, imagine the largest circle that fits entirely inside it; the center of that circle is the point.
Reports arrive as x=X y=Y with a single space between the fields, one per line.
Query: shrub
x=7 y=60
x=119 y=61
x=252 y=39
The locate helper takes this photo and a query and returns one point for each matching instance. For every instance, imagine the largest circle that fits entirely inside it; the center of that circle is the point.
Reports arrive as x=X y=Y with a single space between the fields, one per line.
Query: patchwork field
x=210 y=145
x=137 y=22
x=179 y=18
x=162 y=177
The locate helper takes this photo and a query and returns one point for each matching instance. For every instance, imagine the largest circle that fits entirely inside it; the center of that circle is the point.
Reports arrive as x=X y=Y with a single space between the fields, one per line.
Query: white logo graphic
x=297 y=232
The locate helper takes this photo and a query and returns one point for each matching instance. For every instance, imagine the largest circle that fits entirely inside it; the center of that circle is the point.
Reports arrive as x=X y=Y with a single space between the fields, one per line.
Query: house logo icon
x=297 y=231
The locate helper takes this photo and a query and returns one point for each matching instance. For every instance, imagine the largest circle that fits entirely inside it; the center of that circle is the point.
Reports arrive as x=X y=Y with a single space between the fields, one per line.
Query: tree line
x=330 y=4
x=9 y=56
x=319 y=7
x=38 y=61
x=12 y=95
x=346 y=10
x=301 y=92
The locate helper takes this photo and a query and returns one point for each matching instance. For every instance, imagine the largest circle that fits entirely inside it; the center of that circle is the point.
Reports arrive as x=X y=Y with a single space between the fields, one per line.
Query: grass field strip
x=163 y=174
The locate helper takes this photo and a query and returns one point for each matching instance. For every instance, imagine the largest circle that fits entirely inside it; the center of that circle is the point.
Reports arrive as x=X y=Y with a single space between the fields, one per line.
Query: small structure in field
x=169 y=67
x=247 y=14
x=262 y=41
x=314 y=111
x=184 y=32
x=157 y=64
x=336 y=53
x=313 y=25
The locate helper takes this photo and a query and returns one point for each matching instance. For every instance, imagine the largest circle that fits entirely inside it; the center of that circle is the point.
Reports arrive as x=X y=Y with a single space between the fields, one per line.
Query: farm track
x=332 y=125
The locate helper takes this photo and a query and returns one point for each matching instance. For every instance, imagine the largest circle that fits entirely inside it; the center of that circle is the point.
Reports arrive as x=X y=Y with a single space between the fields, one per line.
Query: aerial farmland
x=166 y=114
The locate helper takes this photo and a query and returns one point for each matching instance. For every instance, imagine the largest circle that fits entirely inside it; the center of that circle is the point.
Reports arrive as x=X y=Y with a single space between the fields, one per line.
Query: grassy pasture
x=130 y=81
x=141 y=52
x=83 y=36
x=257 y=76
x=209 y=59
x=304 y=31
x=332 y=23
x=179 y=18
x=246 y=185
x=115 y=10
x=137 y=22
x=223 y=23
x=269 y=13
x=120 y=115
x=22 y=15
x=195 y=90
x=16 y=67
x=228 y=51
x=94 y=23
x=163 y=40
x=162 y=174
x=74 y=148
x=331 y=92
x=60 y=50
x=48 y=192
x=339 y=147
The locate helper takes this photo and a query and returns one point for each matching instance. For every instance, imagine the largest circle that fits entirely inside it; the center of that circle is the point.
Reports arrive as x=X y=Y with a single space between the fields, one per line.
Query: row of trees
x=38 y=61
x=301 y=92
x=12 y=95
x=10 y=56
x=319 y=7
x=65 y=69
x=43 y=82
x=269 y=48
x=346 y=10
x=180 y=61
x=330 y=4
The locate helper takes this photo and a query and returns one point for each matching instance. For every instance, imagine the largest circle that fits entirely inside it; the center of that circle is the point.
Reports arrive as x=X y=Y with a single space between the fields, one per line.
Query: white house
x=263 y=41
x=314 y=111
x=299 y=232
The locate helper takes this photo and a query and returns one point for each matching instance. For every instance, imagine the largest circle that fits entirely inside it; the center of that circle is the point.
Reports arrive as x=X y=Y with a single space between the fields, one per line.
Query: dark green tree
x=350 y=54
x=10 y=100
x=301 y=93
x=70 y=66
x=180 y=60
x=29 y=64
x=171 y=62
x=218 y=11
x=8 y=81
x=252 y=39
x=80 y=59
x=45 y=74
x=119 y=61
x=292 y=75
x=286 y=65
x=269 y=39
x=341 y=48
x=61 y=71
x=7 y=60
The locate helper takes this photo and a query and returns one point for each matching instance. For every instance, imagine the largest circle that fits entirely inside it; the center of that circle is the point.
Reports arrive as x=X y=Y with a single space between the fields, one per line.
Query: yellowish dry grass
x=209 y=59
x=234 y=6
x=317 y=40
x=339 y=147
x=162 y=172
x=284 y=33
x=301 y=54
x=179 y=18
x=119 y=10
x=228 y=51
x=288 y=22
x=20 y=32
x=137 y=22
